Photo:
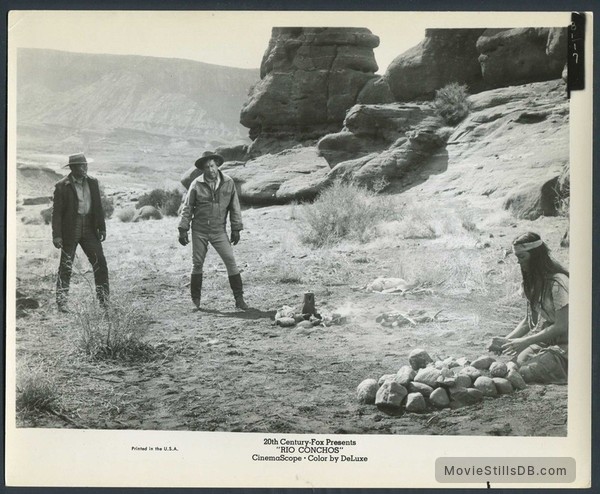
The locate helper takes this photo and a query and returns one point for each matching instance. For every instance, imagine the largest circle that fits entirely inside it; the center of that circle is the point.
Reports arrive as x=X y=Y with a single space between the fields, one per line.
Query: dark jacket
x=65 y=207
x=207 y=211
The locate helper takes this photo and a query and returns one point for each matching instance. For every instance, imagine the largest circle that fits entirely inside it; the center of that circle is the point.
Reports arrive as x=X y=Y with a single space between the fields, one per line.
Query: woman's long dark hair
x=542 y=267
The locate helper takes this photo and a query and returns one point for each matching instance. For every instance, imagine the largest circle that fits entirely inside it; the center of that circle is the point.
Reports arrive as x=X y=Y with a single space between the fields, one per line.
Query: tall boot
x=237 y=287
x=196 y=289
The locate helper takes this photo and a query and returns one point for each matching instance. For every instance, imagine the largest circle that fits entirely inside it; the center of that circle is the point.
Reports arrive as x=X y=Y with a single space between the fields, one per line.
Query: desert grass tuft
x=37 y=390
x=112 y=333
x=451 y=103
x=345 y=211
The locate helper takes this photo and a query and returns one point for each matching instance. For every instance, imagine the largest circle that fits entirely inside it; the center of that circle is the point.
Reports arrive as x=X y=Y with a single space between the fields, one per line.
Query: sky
x=236 y=39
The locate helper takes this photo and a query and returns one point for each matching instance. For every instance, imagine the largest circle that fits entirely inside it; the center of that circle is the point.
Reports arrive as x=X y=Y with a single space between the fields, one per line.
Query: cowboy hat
x=208 y=155
x=77 y=159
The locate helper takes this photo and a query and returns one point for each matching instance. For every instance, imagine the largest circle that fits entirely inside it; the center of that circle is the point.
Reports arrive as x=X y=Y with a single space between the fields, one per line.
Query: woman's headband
x=517 y=248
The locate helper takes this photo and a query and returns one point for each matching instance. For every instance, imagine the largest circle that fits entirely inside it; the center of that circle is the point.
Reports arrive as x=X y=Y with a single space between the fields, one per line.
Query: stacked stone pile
x=425 y=385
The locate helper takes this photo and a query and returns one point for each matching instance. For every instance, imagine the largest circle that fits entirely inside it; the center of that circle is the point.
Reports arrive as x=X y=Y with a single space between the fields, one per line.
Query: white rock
x=386 y=377
x=450 y=362
x=462 y=397
x=390 y=397
x=463 y=381
x=366 y=391
x=472 y=372
x=428 y=376
x=439 y=364
x=486 y=386
x=286 y=322
x=503 y=386
x=498 y=369
x=439 y=398
x=510 y=365
x=483 y=363
x=415 y=402
x=424 y=389
x=515 y=378
x=405 y=375
x=419 y=358
x=446 y=372
x=463 y=361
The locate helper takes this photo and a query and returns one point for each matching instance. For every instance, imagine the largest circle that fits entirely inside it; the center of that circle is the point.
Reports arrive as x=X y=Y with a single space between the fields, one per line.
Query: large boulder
x=535 y=199
x=376 y=91
x=294 y=174
x=238 y=152
x=310 y=77
x=444 y=56
x=511 y=57
x=406 y=154
x=146 y=213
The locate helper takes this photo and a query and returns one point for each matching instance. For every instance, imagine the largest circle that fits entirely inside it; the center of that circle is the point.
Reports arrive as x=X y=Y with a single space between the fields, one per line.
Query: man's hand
x=183 y=237
x=101 y=235
x=58 y=243
x=235 y=237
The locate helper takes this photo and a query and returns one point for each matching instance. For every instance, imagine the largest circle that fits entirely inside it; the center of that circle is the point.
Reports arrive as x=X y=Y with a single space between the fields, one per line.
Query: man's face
x=211 y=170
x=79 y=171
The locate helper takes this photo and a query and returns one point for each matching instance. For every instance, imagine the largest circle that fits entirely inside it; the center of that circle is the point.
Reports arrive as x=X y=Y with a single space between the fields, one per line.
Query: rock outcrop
x=444 y=56
x=294 y=174
x=372 y=128
x=519 y=56
x=310 y=77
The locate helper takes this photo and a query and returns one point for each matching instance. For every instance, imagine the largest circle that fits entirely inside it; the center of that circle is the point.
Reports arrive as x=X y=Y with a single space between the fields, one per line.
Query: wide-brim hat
x=209 y=155
x=77 y=159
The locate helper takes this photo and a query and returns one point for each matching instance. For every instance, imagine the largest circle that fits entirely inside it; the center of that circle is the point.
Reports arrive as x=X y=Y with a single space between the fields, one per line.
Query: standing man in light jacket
x=210 y=198
x=78 y=219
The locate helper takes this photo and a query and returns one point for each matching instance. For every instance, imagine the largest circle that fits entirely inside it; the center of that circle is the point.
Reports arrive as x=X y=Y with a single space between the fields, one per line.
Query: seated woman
x=540 y=344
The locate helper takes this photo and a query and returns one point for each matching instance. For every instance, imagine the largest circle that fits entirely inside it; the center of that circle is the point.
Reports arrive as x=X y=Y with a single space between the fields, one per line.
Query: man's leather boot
x=238 y=291
x=196 y=289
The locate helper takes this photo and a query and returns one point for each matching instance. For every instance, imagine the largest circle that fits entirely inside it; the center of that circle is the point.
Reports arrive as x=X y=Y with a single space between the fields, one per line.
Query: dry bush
x=426 y=221
x=126 y=214
x=345 y=212
x=111 y=333
x=451 y=103
x=108 y=204
x=166 y=201
x=36 y=389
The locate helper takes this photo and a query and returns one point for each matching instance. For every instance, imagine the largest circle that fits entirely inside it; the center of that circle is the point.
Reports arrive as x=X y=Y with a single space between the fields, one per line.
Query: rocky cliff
x=310 y=77
x=516 y=132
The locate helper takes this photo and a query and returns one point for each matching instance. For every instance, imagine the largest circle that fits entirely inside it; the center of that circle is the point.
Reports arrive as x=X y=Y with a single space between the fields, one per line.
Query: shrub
x=36 y=390
x=126 y=214
x=166 y=201
x=451 y=103
x=107 y=204
x=344 y=211
x=112 y=333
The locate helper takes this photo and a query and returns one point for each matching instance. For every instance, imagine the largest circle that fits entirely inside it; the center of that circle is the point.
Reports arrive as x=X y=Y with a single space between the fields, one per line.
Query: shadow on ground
x=250 y=314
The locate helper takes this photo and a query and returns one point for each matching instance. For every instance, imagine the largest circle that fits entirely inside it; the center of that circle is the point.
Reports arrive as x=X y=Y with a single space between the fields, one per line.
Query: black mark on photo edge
x=576 y=53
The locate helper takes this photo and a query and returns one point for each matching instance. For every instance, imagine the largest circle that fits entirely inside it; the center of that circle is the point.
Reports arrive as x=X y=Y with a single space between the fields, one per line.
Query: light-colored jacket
x=206 y=210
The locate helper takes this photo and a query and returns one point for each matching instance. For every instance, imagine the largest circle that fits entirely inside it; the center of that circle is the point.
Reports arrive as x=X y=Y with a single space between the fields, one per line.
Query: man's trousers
x=221 y=244
x=86 y=237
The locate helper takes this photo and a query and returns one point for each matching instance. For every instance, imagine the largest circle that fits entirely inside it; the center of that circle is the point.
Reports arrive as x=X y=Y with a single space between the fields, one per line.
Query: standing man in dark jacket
x=78 y=219
x=210 y=198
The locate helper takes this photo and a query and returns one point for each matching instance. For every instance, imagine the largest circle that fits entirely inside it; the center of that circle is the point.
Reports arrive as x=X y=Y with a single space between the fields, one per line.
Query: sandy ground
x=219 y=369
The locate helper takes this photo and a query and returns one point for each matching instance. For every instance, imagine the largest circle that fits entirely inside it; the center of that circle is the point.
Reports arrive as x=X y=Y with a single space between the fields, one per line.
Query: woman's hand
x=515 y=346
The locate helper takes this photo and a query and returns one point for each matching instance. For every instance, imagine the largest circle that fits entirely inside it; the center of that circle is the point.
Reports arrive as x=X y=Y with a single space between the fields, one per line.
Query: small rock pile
x=427 y=385
x=288 y=317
